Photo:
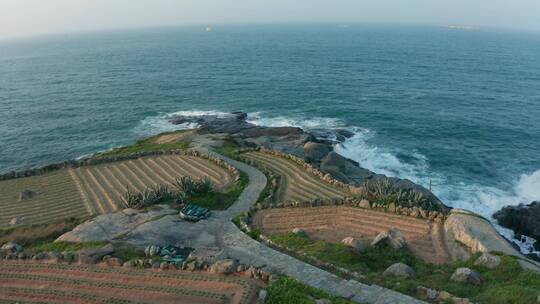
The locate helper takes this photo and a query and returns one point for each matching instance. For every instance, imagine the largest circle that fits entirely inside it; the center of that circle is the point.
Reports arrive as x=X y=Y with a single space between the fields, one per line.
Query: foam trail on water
x=158 y=124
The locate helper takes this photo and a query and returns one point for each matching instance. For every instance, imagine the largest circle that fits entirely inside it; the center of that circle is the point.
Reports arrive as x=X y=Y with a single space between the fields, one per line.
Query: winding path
x=249 y=251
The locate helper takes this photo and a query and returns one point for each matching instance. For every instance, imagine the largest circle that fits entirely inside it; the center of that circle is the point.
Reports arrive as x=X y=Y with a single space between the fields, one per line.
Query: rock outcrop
x=467 y=275
x=475 y=233
x=356 y=244
x=108 y=227
x=393 y=237
x=400 y=270
x=488 y=260
x=522 y=219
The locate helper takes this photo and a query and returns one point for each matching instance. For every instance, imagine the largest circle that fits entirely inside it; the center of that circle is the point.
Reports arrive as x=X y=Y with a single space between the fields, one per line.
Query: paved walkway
x=248 y=251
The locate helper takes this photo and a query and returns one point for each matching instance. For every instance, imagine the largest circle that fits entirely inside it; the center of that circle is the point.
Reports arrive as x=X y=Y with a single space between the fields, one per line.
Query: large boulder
x=467 y=275
x=488 y=260
x=315 y=152
x=522 y=219
x=476 y=233
x=400 y=270
x=356 y=244
x=226 y=266
x=393 y=237
x=94 y=255
x=11 y=247
x=27 y=194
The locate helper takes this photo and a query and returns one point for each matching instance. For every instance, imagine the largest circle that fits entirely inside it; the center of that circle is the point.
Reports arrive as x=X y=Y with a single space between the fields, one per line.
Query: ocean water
x=456 y=109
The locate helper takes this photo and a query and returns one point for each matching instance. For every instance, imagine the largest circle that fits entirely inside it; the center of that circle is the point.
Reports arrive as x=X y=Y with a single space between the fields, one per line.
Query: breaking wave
x=482 y=199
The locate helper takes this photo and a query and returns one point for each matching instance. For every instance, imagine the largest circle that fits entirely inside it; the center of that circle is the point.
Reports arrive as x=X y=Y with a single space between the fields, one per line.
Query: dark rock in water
x=345 y=169
x=522 y=219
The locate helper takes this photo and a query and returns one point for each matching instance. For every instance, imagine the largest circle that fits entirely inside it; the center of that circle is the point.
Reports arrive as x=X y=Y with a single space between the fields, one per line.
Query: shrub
x=191 y=186
x=385 y=192
x=151 y=196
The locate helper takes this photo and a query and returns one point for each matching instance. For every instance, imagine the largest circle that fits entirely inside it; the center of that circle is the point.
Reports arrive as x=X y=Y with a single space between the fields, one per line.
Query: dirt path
x=249 y=251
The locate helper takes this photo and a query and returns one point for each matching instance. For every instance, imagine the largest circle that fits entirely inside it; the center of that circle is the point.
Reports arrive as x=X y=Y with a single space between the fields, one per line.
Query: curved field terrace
x=22 y=282
x=90 y=190
x=296 y=184
x=425 y=239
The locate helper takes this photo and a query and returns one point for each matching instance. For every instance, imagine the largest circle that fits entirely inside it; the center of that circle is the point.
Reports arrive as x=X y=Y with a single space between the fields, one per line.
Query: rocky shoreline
x=315 y=147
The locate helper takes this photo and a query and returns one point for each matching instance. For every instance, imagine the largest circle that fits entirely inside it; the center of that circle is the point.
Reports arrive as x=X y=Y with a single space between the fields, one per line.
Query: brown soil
x=71 y=283
x=424 y=239
x=169 y=138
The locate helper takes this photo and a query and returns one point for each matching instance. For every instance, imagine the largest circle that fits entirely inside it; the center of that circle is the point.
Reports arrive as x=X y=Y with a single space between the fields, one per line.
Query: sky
x=34 y=17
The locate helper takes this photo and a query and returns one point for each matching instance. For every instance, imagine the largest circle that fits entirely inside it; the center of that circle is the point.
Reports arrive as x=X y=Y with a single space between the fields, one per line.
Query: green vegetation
x=230 y=150
x=127 y=252
x=218 y=200
x=385 y=192
x=145 y=145
x=508 y=283
x=36 y=234
x=198 y=192
x=64 y=246
x=153 y=195
x=289 y=290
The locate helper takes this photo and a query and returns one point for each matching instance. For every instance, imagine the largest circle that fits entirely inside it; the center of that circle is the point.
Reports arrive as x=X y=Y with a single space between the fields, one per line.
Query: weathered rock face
x=227 y=266
x=522 y=219
x=94 y=255
x=400 y=270
x=107 y=227
x=476 y=233
x=393 y=237
x=488 y=260
x=357 y=245
x=11 y=247
x=467 y=275
x=315 y=152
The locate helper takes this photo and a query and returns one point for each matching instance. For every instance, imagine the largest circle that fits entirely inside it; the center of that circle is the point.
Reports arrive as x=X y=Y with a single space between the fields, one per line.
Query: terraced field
x=424 y=239
x=22 y=282
x=83 y=191
x=103 y=186
x=296 y=183
x=56 y=198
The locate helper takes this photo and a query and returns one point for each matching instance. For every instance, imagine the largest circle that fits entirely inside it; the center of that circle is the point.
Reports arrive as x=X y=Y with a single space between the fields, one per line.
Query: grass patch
x=32 y=234
x=145 y=145
x=218 y=200
x=230 y=150
x=127 y=252
x=64 y=246
x=507 y=284
x=289 y=290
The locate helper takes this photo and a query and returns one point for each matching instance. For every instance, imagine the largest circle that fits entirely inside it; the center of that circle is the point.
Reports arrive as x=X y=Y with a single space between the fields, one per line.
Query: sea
x=453 y=109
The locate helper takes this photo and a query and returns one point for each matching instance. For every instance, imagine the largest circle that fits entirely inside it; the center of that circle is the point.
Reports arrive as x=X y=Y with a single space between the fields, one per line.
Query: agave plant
x=191 y=186
x=385 y=191
x=151 y=196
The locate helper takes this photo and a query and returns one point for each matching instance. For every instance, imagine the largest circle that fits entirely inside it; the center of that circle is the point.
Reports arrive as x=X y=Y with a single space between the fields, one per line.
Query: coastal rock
x=357 y=245
x=488 y=260
x=476 y=233
x=315 y=152
x=522 y=219
x=364 y=204
x=467 y=275
x=400 y=270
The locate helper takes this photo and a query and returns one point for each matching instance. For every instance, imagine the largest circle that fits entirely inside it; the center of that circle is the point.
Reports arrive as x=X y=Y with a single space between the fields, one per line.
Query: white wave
x=160 y=123
x=258 y=119
x=481 y=199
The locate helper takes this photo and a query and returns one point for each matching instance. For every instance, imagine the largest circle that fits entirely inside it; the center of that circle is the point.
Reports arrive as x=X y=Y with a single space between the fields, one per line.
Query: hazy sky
x=30 y=17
